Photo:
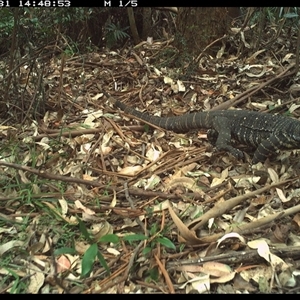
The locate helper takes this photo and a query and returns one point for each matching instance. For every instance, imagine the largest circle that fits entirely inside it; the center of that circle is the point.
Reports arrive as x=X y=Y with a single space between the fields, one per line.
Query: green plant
x=115 y=34
x=91 y=253
x=17 y=285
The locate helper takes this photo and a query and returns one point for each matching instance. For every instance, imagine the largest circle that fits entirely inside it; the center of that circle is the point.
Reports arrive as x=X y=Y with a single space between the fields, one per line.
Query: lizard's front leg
x=223 y=142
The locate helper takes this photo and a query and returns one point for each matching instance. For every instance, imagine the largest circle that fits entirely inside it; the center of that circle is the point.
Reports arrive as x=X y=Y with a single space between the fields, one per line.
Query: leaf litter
x=95 y=201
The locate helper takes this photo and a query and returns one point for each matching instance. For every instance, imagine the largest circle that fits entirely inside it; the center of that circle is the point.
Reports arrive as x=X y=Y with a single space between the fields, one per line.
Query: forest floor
x=96 y=201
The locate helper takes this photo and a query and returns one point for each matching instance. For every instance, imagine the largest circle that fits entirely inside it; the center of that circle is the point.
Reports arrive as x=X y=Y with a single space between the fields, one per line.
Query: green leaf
x=166 y=242
x=88 y=260
x=64 y=250
x=153 y=275
x=291 y=15
x=146 y=250
x=83 y=230
x=134 y=237
x=109 y=238
x=153 y=229
x=103 y=262
x=146 y=128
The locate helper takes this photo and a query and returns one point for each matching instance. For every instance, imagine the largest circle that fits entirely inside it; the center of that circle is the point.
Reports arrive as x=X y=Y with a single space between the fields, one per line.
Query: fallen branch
x=237 y=257
x=132 y=191
x=222 y=207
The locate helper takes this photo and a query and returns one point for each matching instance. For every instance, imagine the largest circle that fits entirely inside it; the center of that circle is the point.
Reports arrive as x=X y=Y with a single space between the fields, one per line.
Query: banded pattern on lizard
x=266 y=132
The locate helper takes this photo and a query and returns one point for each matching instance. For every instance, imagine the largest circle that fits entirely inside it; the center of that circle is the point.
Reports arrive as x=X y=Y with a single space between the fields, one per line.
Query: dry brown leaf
x=216 y=269
x=296 y=220
x=188 y=235
x=63 y=264
x=224 y=278
x=79 y=205
x=101 y=229
x=217 y=181
x=81 y=247
x=186 y=182
x=199 y=283
x=36 y=278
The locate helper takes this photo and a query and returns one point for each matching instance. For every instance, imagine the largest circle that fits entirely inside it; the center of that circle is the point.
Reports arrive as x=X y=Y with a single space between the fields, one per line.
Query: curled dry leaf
x=107 y=136
x=93 y=116
x=181 y=87
x=281 y=195
x=264 y=251
x=257 y=273
x=188 y=183
x=101 y=229
x=183 y=171
x=79 y=205
x=185 y=233
x=217 y=181
x=199 y=283
x=296 y=220
x=230 y=236
x=64 y=206
x=273 y=175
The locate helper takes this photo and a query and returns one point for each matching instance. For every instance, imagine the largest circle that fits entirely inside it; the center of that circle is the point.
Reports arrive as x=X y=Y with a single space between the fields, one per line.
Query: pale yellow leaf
x=181 y=87
x=199 y=283
x=64 y=206
x=9 y=245
x=36 y=279
x=79 y=205
x=97 y=96
x=224 y=278
x=113 y=251
x=152 y=153
x=264 y=251
x=281 y=195
x=107 y=136
x=130 y=170
x=168 y=80
x=273 y=175
x=105 y=150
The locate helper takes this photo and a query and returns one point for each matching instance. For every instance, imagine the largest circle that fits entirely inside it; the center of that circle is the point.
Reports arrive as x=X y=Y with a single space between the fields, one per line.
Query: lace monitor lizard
x=266 y=132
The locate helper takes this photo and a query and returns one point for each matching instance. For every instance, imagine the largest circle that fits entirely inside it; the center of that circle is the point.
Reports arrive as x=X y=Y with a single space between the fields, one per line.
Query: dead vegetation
x=94 y=201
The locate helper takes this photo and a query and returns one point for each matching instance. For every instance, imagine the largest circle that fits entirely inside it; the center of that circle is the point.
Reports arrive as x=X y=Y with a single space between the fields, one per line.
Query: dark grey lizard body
x=266 y=132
